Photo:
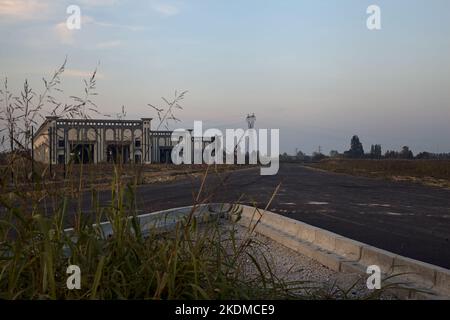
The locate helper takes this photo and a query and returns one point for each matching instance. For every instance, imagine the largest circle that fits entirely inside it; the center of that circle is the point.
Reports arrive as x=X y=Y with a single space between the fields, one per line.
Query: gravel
x=290 y=265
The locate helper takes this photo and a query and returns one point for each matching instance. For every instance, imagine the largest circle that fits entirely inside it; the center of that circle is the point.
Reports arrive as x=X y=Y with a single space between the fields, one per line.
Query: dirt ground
x=434 y=173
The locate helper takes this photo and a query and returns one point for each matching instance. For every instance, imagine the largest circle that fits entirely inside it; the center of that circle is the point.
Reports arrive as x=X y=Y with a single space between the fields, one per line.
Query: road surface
x=404 y=218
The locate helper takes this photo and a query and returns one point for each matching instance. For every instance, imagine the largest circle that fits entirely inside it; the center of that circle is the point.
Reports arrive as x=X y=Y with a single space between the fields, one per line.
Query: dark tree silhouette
x=406 y=153
x=375 y=151
x=356 y=149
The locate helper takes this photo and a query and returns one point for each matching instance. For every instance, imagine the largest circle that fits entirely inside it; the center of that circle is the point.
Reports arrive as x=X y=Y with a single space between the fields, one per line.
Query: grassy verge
x=186 y=263
x=99 y=176
x=192 y=261
x=428 y=172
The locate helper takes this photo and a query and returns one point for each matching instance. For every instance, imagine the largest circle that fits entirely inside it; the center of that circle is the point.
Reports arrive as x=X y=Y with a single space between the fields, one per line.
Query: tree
x=375 y=151
x=356 y=149
x=406 y=153
x=334 y=154
x=317 y=156
x=284 y=157
x=424 y=156
x=300 y=155
x=391 y=154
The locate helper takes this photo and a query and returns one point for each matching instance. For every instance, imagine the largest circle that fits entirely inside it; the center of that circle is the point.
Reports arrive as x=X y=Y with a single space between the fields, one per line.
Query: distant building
x=59 y=141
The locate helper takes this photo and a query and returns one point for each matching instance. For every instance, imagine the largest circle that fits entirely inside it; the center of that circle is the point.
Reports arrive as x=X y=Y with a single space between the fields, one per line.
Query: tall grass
x=189 y=262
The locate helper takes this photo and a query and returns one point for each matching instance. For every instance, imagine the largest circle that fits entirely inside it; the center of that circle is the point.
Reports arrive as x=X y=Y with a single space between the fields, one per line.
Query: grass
x=189 y=262
x=428 y=172
x=99 y=175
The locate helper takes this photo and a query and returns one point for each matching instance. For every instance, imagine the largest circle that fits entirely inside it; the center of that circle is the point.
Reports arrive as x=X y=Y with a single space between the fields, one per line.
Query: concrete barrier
x=414 y=270
x=374 y=256
x=163 y=220
x=325 y=240
x=348 y=248
x=443 y=280
x=306 y=233
x=419 y=280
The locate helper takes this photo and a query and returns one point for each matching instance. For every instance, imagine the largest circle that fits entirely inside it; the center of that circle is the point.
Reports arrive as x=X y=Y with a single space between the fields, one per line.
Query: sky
x=310 y=68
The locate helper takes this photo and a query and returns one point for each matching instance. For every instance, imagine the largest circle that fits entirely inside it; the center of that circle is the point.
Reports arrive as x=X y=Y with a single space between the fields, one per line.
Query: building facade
x=60 y=141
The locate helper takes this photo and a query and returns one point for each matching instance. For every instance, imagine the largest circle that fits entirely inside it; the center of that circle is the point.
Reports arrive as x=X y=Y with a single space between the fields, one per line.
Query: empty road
x=407 y=219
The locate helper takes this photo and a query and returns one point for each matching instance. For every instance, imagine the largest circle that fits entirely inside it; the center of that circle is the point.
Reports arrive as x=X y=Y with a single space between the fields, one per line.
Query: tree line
x=356 y=151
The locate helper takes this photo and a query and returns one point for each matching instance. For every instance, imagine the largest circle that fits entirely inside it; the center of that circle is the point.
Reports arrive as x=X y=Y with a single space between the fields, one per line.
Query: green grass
x=192 y=261
x=189 y=262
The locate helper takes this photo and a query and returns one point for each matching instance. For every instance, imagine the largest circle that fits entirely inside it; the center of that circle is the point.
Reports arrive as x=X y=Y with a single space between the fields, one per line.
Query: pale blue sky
x=310 y=68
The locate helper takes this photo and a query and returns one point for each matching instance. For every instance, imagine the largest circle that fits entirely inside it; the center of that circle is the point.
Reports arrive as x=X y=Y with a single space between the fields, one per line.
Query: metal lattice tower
x=122 y=115
x=251 y=119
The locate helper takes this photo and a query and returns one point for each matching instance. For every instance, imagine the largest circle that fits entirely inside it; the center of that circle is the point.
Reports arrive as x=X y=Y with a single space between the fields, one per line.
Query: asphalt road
x=407 y=219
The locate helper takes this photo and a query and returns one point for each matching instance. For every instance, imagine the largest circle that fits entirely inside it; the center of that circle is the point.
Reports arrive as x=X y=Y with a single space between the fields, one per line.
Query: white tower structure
x=251 y=119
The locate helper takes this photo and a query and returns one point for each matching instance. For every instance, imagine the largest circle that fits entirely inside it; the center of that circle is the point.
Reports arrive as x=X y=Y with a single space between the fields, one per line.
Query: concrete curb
x=160 y=220
x=419 y=280
x=414 y=279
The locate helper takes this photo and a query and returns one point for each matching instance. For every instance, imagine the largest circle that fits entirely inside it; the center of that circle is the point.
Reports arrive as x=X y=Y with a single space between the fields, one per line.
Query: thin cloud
x=76 y=73
x=22 y=9
x=166 y=9
x=120 y=26
x=109 y=44
x=65 y=35
x=91 y=20
x=99 y=3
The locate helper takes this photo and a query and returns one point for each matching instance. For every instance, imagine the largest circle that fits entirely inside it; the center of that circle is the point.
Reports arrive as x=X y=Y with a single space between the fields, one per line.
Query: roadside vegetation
x=191 y=261
x=100 y=176
x=429 y=172
x=432 y=169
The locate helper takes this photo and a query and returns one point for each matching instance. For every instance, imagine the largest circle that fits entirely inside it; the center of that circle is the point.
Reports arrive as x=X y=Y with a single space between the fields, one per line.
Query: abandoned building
x=60 y=141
